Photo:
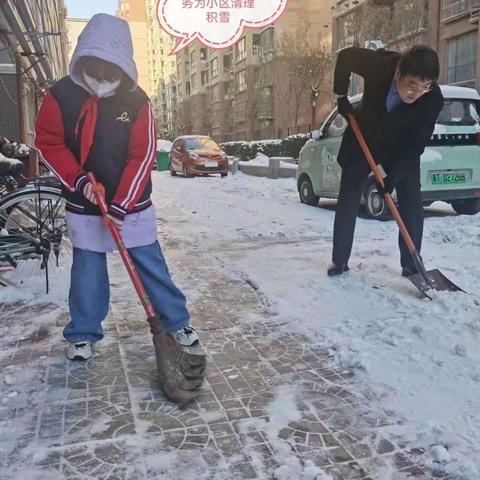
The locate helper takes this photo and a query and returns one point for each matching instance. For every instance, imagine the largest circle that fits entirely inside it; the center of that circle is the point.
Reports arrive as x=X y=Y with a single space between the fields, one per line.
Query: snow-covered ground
x=421 y=357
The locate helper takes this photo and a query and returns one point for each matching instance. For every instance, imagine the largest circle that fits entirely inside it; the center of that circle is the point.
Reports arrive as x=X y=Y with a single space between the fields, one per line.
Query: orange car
x=197 y=155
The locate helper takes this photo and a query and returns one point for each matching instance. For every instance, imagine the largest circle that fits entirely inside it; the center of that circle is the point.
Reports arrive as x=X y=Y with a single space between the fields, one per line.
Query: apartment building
x=161 y=67
x=33 y=56
x=74 y=28
x=379 y=24
x=454 y=33
x=302 y=40
x=236 y=94
x=449 y=26
x=135 y=13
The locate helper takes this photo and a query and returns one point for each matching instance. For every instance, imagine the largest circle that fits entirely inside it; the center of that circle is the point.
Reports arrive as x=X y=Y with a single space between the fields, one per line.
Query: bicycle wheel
x=36 y=216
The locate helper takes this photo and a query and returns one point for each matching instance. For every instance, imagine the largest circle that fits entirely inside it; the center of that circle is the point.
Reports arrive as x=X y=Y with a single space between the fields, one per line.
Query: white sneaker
x=186 y=337
x=80 y=351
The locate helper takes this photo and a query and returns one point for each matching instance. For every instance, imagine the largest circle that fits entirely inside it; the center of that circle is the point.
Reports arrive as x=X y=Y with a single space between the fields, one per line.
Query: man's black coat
x=396 y=138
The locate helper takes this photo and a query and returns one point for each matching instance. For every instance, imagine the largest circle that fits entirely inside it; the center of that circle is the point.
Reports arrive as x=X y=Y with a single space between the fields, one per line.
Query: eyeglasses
x=413 y=89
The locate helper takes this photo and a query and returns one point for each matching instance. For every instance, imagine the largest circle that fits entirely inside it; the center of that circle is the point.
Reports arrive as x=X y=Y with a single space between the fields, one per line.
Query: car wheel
x=375 y=204
x=470 y=206
x=305 y=190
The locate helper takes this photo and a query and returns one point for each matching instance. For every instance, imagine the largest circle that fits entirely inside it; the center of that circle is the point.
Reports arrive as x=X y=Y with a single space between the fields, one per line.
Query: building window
x=193 y=81
x=256 y=43
x=193 y=58
x=187 y=88
x=214 y=93
x=267 y=92
x=241 y=49
x=214 y=67
x=241 y=81
x=203 y=54
x=227 y=62
x=267 y=45
x=204 y=77
x=228 y=93
x=461 y=62
x=454 y=8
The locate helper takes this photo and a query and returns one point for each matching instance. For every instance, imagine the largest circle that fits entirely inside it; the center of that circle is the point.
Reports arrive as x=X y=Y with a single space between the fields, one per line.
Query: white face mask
x=100 y=89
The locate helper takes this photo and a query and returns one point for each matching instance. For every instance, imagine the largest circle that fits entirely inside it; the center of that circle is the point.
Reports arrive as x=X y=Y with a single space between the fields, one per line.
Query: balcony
x=458 y=8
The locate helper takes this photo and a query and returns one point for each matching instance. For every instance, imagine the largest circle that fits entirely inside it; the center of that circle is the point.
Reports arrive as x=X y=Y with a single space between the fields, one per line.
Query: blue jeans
x=89 y=294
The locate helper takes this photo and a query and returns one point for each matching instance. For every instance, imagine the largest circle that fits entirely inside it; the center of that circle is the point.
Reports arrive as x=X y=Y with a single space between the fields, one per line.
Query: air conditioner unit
x=374 y=44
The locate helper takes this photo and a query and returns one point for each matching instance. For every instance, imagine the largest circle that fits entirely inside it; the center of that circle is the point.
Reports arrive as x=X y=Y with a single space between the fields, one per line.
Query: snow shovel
x=424 y=280
x=181 y=369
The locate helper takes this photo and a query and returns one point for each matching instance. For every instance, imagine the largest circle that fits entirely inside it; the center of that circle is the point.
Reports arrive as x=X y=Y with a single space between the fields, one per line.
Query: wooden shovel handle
x=378 y=177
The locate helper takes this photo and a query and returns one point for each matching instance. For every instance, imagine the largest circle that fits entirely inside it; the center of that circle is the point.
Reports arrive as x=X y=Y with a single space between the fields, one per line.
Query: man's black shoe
x=335 y=269
x=408 y=271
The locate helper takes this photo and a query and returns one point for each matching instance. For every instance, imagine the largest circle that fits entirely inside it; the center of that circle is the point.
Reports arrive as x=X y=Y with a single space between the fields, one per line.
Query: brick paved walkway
x=108 y=419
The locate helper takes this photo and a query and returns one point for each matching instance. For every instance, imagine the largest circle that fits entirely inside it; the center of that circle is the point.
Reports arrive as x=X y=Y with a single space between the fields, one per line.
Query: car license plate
x=449 y=177
x=211 y=164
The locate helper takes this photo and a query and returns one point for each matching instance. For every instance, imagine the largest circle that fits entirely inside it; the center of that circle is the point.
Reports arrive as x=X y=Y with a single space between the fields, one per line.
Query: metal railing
x=452 y=9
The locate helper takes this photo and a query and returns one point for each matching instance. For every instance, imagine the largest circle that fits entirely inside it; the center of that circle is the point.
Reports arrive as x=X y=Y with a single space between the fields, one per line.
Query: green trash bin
x=162 y=161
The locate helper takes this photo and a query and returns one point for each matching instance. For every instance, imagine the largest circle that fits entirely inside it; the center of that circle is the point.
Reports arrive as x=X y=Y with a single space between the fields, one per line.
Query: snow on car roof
x=453 y=91
x=448 y=91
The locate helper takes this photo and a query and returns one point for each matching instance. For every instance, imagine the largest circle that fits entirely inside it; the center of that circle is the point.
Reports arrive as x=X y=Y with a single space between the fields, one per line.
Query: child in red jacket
x=98 y=120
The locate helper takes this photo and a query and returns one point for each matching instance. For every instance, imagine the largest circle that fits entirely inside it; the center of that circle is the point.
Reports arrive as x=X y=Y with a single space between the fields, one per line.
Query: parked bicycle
x=32 y=219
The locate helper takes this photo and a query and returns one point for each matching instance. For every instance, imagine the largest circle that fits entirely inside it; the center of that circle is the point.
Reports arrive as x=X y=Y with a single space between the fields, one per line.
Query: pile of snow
x=27 y=282
x=252 y=143
x=164 y=145
x=262 y=160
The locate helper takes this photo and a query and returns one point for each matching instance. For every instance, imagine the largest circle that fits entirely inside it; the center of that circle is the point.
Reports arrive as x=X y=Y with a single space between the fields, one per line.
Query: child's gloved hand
x=117 y=221
x=88 y=193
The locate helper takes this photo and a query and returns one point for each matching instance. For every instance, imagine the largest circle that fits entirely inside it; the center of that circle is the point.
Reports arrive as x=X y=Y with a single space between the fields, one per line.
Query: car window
x=337 y=126
x=459 y=112
x=200 y=142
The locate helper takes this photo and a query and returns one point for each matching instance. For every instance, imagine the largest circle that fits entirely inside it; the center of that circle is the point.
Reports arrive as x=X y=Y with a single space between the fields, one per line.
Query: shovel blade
x=433 y=280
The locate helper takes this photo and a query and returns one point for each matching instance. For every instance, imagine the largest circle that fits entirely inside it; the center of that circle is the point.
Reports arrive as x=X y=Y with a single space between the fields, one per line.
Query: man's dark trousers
x=353 y=182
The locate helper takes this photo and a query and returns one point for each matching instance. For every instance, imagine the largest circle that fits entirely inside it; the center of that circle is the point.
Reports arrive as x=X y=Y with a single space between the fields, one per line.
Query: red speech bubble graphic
x=215 y=23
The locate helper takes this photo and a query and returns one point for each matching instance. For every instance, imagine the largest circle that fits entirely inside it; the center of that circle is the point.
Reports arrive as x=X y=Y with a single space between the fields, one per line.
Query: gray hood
x=108 y=38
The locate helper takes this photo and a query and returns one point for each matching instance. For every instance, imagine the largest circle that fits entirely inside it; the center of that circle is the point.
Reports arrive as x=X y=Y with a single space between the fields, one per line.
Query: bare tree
x=395 y=24
x=254 y=101
x=307 y=62
x=399 y=25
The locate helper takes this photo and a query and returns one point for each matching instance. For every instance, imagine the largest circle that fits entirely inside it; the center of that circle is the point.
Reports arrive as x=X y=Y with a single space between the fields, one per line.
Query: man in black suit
x=401 y=102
